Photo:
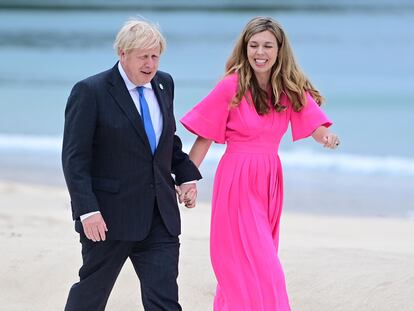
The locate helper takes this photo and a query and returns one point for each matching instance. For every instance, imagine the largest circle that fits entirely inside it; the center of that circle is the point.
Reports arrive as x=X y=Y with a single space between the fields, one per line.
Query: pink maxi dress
x=248 y=195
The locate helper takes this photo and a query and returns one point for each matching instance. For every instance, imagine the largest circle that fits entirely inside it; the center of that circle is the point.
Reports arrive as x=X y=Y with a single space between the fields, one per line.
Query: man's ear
x=121 y=54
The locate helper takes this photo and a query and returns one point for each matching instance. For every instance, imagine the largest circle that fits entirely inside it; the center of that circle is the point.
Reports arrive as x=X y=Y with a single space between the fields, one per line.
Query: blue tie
x=146 y=117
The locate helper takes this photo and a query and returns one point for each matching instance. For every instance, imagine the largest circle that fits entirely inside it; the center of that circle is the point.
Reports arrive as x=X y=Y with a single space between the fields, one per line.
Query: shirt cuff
x=189 y=182
x=84 y=216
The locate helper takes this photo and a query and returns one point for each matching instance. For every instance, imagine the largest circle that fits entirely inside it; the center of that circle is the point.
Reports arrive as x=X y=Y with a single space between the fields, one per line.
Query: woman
x=250 y=109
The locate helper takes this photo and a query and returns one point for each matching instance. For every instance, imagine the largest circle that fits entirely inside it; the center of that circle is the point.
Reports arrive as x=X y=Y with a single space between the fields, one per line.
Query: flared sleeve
x=306 y=121
x=208 y=118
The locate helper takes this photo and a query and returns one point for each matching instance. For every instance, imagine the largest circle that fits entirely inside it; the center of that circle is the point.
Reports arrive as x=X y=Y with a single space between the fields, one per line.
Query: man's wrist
x=189 y=182
x=84 y=216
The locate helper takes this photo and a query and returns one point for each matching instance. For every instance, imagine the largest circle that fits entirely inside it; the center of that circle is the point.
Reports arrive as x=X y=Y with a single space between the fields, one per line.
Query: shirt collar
x=130 y=86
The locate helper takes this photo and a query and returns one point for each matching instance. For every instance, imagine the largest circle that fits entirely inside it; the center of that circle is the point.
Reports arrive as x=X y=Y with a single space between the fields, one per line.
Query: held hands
x=94 y=228
x=187 y=194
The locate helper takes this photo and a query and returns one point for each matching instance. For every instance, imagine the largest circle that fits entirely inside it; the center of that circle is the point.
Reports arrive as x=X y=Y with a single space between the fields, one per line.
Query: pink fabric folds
x=248 y=195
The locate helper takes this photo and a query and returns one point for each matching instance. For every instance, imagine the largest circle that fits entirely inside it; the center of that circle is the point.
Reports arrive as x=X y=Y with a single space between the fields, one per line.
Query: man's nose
x=151 y=63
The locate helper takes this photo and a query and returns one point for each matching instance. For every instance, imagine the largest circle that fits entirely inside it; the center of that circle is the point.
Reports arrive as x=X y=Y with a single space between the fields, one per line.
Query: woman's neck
x=264 y=80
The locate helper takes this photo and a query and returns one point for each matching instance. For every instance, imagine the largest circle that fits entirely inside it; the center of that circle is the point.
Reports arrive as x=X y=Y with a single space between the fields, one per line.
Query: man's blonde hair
x=137 y=33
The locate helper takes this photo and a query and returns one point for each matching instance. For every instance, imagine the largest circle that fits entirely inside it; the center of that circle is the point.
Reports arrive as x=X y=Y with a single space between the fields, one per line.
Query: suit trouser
x=155 y=260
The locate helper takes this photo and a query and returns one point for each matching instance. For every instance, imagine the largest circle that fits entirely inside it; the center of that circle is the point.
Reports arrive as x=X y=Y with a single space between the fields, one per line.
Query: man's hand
x=187 y=193
x=95 y=227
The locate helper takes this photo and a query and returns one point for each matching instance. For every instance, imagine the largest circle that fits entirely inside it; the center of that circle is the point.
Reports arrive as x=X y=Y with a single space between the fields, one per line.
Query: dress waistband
x=252 y=147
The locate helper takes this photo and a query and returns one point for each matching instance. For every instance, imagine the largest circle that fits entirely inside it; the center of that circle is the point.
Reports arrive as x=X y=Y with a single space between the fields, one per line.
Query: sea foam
x=296 y=158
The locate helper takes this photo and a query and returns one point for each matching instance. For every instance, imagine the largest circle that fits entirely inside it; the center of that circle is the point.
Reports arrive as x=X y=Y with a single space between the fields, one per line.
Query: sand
x=331 y=262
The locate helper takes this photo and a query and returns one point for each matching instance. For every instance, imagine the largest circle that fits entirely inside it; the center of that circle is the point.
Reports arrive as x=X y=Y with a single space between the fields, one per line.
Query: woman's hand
x=326 y=138
x=187 y=194
x=331 y=141
x=190 y=198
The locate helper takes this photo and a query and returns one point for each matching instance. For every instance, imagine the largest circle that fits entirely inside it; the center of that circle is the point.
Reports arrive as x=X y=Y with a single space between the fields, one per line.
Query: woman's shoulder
x=228 y=83
x=285 y=101
x=231 y=78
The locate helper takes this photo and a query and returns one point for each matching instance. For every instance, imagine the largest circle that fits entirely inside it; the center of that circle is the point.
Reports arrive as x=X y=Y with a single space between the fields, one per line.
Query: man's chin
x=146 y=78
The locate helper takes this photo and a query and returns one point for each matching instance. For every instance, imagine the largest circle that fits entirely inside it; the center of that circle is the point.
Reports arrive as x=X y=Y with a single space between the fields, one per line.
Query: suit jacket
x=107 y=160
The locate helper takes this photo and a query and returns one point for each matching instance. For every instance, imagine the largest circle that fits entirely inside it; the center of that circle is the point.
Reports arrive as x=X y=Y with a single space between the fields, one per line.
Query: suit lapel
x=122 y=97
x=160 y=93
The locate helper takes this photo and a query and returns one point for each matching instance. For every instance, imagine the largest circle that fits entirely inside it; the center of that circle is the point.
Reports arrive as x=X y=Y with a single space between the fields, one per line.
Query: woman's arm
x=323 y=136
x=197 y=154
x=199 y=150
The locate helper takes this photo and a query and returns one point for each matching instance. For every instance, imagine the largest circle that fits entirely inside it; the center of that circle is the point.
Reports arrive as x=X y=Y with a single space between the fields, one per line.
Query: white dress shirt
x=154 y=107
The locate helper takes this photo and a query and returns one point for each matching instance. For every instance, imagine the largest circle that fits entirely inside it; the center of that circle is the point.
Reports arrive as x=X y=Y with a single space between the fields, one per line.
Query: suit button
x=151 y=186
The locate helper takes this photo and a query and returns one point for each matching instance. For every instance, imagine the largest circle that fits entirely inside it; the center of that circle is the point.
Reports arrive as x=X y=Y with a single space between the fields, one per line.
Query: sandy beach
x=331 y=262
x=347 y=230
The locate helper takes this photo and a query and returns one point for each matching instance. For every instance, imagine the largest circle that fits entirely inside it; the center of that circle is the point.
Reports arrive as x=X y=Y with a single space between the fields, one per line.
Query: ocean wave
x=30 y=143
x=338 y=161
x=352 y=163
x=297 y=158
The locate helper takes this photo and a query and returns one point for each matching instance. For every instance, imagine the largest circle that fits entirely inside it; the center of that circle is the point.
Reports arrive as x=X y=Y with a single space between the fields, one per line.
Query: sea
x=361 y=60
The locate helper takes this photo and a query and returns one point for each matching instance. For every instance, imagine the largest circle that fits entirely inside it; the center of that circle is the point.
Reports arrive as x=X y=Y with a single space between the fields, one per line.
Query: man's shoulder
x=164 y=76
x=97 y=79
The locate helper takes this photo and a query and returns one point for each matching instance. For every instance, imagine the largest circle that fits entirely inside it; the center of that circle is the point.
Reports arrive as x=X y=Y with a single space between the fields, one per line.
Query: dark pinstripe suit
x=109 y=167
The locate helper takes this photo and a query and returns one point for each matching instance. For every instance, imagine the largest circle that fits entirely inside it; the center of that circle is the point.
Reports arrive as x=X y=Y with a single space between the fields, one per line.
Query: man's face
x=140 y=65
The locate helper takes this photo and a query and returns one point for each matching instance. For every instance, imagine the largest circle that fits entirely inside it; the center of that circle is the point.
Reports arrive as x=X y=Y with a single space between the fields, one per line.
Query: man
x=119 y=151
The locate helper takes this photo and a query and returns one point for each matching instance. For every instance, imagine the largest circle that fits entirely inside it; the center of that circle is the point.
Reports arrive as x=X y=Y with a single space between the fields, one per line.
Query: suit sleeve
x=79 y=129
x=182 y=167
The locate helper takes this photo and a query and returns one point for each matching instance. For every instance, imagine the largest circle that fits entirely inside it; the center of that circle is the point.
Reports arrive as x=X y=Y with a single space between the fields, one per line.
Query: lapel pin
x=161 y=86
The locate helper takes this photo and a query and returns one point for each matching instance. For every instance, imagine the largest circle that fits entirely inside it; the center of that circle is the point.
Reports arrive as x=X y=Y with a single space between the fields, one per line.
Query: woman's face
x=262 y=52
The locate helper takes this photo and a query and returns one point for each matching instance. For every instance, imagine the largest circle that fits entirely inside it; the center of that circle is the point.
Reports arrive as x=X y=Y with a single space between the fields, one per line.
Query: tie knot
x=140 y=90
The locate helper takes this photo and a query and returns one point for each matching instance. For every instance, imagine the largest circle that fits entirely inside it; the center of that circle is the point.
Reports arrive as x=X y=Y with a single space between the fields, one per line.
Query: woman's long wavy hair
x=286 y=76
